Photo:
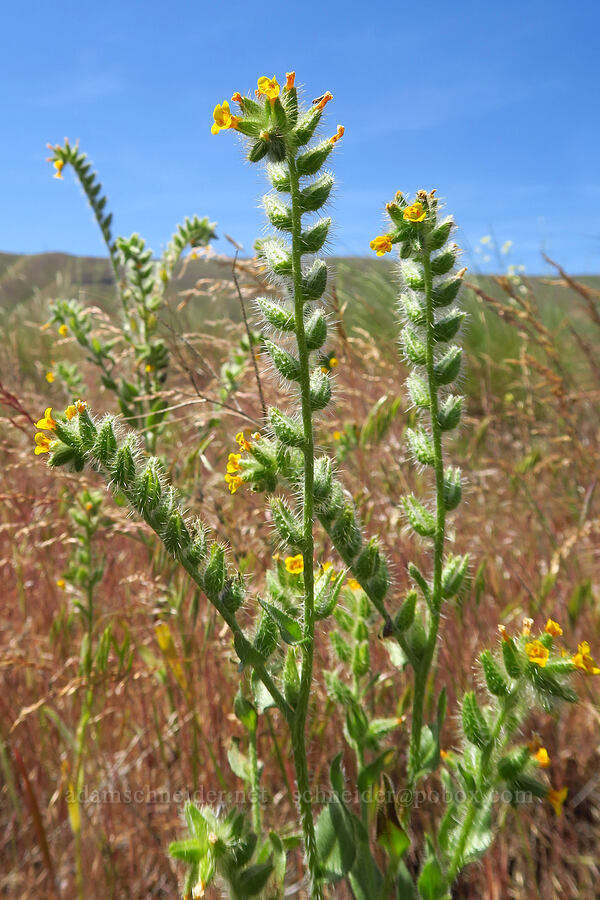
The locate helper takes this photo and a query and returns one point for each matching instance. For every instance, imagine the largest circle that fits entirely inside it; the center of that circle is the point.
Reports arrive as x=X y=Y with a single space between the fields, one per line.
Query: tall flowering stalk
x=432 y=319
x=279 y=131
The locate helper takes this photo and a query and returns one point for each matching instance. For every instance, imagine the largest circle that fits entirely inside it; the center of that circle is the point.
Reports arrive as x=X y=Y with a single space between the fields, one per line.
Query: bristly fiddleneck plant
x=141 y=285
x=279 y=653
x=432 y=320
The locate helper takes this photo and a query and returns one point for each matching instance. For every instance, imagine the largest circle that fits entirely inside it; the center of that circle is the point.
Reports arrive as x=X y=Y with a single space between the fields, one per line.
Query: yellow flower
x=255 y=435
x=233 y=463
x=61 y=583
x=49 y=377
x=537 y=653
x=47 y=423
x=527 y=623
x=242 y=442
x=353 y=584
x=324 y=369
x=59 y=166
x=328 y=567
x=223 y=118
x=542 y=758
x=556 y=799
x=268 y=87
x=44 y=443
x=333 y=362
x=553 y=628
x=414 y=213
x=290 y=78
x=382 y=244
x=149 y=367
x=582 y=660
x=234 y=482
x=321 y=102
x=337 y=435
x=70 y=412
x=237 y=97
x=295 y=564
x=504 y=633
x=444 y=753
x=340 y=134
x=81 y=405
x=63 y=330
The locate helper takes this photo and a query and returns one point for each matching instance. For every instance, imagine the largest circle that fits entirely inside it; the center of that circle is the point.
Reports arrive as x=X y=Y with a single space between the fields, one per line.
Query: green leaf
x=189 y=851
x=289 y=628
x=336 y=848
x=253 y=879
x=432 y=884
x=371 y=774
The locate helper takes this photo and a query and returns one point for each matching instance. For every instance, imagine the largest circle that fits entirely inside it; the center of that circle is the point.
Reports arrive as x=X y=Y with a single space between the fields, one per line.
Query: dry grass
x=531 y=523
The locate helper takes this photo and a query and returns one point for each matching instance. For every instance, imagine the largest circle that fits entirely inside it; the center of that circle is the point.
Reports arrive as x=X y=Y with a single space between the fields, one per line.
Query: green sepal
x=438 y=237
x=309 y=162
x=444 y=294
x=316 y=330
x=322 y=479
x=446 y=368
x=313 y=237
x=315 y=195
x=474 y=724
x=277 y=256
x=406 y=614
x=258 y=150
x=495 y=680
x=414 y=347
x=279 y=177
x=286 y=523
x=214 y=574
x=452 y=488
x=249 y=128
x=418 y=391
x=449 y=412
x=413 y=310
x=278 y=114
x=314 y=281
x=287 y=430
x=306 y=126
x=320 y=390
x=105 y=445
x=419 y=517
x=453 y=574
x=266 y=638
x=421 y=446
x=512 y=661
x=447 y=326
x=413 y=276
x=278 y=213
x=286 y=364
x=291 y=678
x=442 y=264
x=346 y=531
x=276 y=315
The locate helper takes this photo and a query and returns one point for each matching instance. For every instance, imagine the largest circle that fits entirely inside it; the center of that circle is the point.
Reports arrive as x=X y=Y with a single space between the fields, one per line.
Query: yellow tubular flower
x=268 y=87
x=290 y=78
x=556 y=799
x=63 y=330
x=527 y=623
x=233 y=463
x=223 y=118
x=537 y=653
x=582 y=660
x=382 y=244
x=295 y=564
x=47 y=423
x=337 y=435
x=340 y=133
x=553 y=628
x=49 y=377
x=542 y=758
x=237 y=97
x=81 y=405
x=43 y=443
x=321 y=102
x=61 y=583
x=334 y=362
x=353 y=584
x=59 y=166
x=242 y=442
x=414 y=213
x=234 y=482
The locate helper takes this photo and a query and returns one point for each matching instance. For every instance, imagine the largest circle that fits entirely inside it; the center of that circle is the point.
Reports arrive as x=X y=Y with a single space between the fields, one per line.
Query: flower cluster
x=44 y=443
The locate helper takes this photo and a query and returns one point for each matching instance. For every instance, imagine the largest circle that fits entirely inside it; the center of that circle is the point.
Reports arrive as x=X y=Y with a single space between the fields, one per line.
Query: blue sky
x=494 y=104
